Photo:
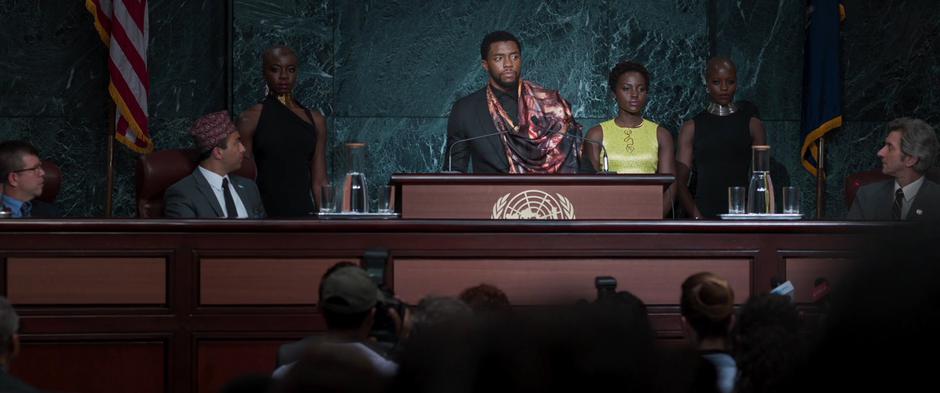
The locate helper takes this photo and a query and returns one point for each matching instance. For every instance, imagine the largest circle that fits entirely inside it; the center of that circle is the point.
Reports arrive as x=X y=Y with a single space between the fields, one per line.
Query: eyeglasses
x=36 y=169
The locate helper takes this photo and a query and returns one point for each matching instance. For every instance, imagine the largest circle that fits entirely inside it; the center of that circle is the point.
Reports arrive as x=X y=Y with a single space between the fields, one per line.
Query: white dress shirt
x=215 y=183
x=910 y=192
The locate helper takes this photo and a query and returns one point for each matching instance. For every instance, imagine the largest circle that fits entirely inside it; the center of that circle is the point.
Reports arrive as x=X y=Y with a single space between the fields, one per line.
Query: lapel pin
x=919 y=212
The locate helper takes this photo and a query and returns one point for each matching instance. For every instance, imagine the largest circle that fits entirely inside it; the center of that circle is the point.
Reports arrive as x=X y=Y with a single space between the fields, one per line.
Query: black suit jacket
x=471 y=118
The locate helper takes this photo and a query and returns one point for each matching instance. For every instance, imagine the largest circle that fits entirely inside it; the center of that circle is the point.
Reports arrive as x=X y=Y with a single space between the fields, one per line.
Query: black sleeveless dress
x=722 y=149
x=283 y=148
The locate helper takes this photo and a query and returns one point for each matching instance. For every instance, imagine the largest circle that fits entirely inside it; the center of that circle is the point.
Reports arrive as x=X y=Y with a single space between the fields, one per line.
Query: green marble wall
x=387 y=72
x=891 y=70
x=53 y=81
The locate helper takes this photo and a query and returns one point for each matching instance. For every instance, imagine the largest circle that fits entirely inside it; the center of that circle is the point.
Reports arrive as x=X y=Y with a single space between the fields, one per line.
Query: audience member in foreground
x=767 y=344
x=607 y=346
x=485 y=298
x=9 y=348
x=707 y=307
x=881 y=335
x=347 y=300
x=333 y=368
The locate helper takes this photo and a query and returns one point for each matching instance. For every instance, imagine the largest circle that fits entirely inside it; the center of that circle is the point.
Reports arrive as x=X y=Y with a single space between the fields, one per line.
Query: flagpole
x=229 y=55
x=110 y=162
x=821 y=179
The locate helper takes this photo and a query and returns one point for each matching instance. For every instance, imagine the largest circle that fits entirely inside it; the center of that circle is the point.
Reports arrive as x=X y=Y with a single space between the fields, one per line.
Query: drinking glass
x=327 y=199
x=791 y=200
x=736 y=200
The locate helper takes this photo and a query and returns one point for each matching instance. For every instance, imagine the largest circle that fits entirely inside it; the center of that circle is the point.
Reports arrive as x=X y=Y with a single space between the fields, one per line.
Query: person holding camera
x=348 y=300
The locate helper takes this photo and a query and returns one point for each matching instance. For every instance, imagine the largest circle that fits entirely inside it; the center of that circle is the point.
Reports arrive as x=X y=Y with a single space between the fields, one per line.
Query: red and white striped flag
x=123 y=26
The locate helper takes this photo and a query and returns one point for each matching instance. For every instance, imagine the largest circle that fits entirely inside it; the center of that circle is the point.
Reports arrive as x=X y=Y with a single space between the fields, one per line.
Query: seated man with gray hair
x=9 y=348
x=909 y=151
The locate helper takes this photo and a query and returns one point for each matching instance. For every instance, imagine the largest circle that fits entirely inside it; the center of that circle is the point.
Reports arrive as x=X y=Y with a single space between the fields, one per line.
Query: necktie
x=230 y=210
x=26 y=209
x=898 y=203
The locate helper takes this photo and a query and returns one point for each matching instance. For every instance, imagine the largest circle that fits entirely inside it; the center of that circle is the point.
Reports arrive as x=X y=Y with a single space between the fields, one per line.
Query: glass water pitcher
x=355 y=189
x=760 y=191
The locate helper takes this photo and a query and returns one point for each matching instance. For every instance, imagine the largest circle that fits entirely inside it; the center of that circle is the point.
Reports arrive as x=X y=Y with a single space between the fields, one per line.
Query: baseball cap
x=348 y=290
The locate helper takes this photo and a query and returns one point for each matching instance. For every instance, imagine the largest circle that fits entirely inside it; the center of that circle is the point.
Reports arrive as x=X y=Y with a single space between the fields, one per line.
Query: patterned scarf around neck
x=539 y=143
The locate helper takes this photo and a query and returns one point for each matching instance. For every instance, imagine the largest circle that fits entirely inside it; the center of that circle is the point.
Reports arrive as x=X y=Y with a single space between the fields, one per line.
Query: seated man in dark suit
x=211 y=191
x=9 y=348
x=511 y=125
x=910 y=149
x=21 y=177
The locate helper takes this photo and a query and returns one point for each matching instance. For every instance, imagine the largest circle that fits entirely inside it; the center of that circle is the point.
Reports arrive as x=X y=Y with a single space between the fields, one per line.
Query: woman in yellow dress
x=633 y=144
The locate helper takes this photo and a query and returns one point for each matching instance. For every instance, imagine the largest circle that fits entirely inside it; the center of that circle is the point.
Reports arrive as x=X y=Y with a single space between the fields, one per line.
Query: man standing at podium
x=511 y=125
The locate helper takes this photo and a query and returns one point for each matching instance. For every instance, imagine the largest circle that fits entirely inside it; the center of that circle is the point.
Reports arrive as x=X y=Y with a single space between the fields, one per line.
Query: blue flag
x=822 y=78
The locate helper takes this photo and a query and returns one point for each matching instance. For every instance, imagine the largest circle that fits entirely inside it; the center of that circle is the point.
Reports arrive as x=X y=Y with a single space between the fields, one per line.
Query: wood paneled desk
x=182 y=306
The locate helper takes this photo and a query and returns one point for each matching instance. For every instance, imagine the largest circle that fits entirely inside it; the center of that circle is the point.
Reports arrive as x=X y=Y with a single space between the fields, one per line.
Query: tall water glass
x=736 y=200
x=327 y=199
x=384 y=201
x=791 y=200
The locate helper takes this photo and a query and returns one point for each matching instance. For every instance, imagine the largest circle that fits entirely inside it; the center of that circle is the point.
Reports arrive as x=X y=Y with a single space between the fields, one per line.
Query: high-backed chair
x=856 y=180
x=159 y=170
x=52 y=182
x=156 y=172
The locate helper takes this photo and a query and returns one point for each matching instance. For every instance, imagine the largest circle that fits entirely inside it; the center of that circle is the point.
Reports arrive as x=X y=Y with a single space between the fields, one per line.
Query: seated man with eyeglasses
x=21 y=176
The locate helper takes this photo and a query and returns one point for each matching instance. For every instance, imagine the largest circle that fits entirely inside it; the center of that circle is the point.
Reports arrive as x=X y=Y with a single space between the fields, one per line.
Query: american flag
x=123 y=26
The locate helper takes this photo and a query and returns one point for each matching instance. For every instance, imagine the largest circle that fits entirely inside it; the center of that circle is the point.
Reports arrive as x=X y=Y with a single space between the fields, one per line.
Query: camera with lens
x=384 y=327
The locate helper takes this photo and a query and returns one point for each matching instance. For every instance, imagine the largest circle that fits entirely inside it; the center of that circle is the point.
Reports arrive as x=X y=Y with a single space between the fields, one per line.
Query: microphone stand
x=605 y=165
x=450 y=149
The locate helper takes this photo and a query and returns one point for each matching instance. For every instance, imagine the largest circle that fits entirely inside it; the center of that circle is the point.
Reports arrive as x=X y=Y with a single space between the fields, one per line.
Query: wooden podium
x=539 y=197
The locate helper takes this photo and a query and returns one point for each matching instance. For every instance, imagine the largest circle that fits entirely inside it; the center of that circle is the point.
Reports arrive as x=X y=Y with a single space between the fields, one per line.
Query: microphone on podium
x=450 y=149
x=554 y=129
x=605 y=166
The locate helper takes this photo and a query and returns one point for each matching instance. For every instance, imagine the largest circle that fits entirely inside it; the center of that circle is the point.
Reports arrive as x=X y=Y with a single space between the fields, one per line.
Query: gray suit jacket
x=191 y=197
x=874 y=201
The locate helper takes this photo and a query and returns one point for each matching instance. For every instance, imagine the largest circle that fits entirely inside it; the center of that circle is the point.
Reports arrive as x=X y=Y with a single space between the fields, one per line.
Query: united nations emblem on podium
x=533 y=205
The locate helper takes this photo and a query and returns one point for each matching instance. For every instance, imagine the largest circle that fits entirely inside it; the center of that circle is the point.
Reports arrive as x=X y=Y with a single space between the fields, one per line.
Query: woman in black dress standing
x=286 y=140
x=716 y=144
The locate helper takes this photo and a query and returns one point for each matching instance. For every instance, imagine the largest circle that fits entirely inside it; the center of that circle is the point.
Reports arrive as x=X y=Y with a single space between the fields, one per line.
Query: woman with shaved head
x=286 y=140
x=715 y=145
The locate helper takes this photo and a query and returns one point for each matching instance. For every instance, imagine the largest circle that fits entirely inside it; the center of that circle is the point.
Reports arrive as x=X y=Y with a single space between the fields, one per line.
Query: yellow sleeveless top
x=631 y=150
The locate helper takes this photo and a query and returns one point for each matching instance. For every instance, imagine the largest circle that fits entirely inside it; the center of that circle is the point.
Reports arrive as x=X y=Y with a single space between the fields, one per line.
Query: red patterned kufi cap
x=211 y=129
